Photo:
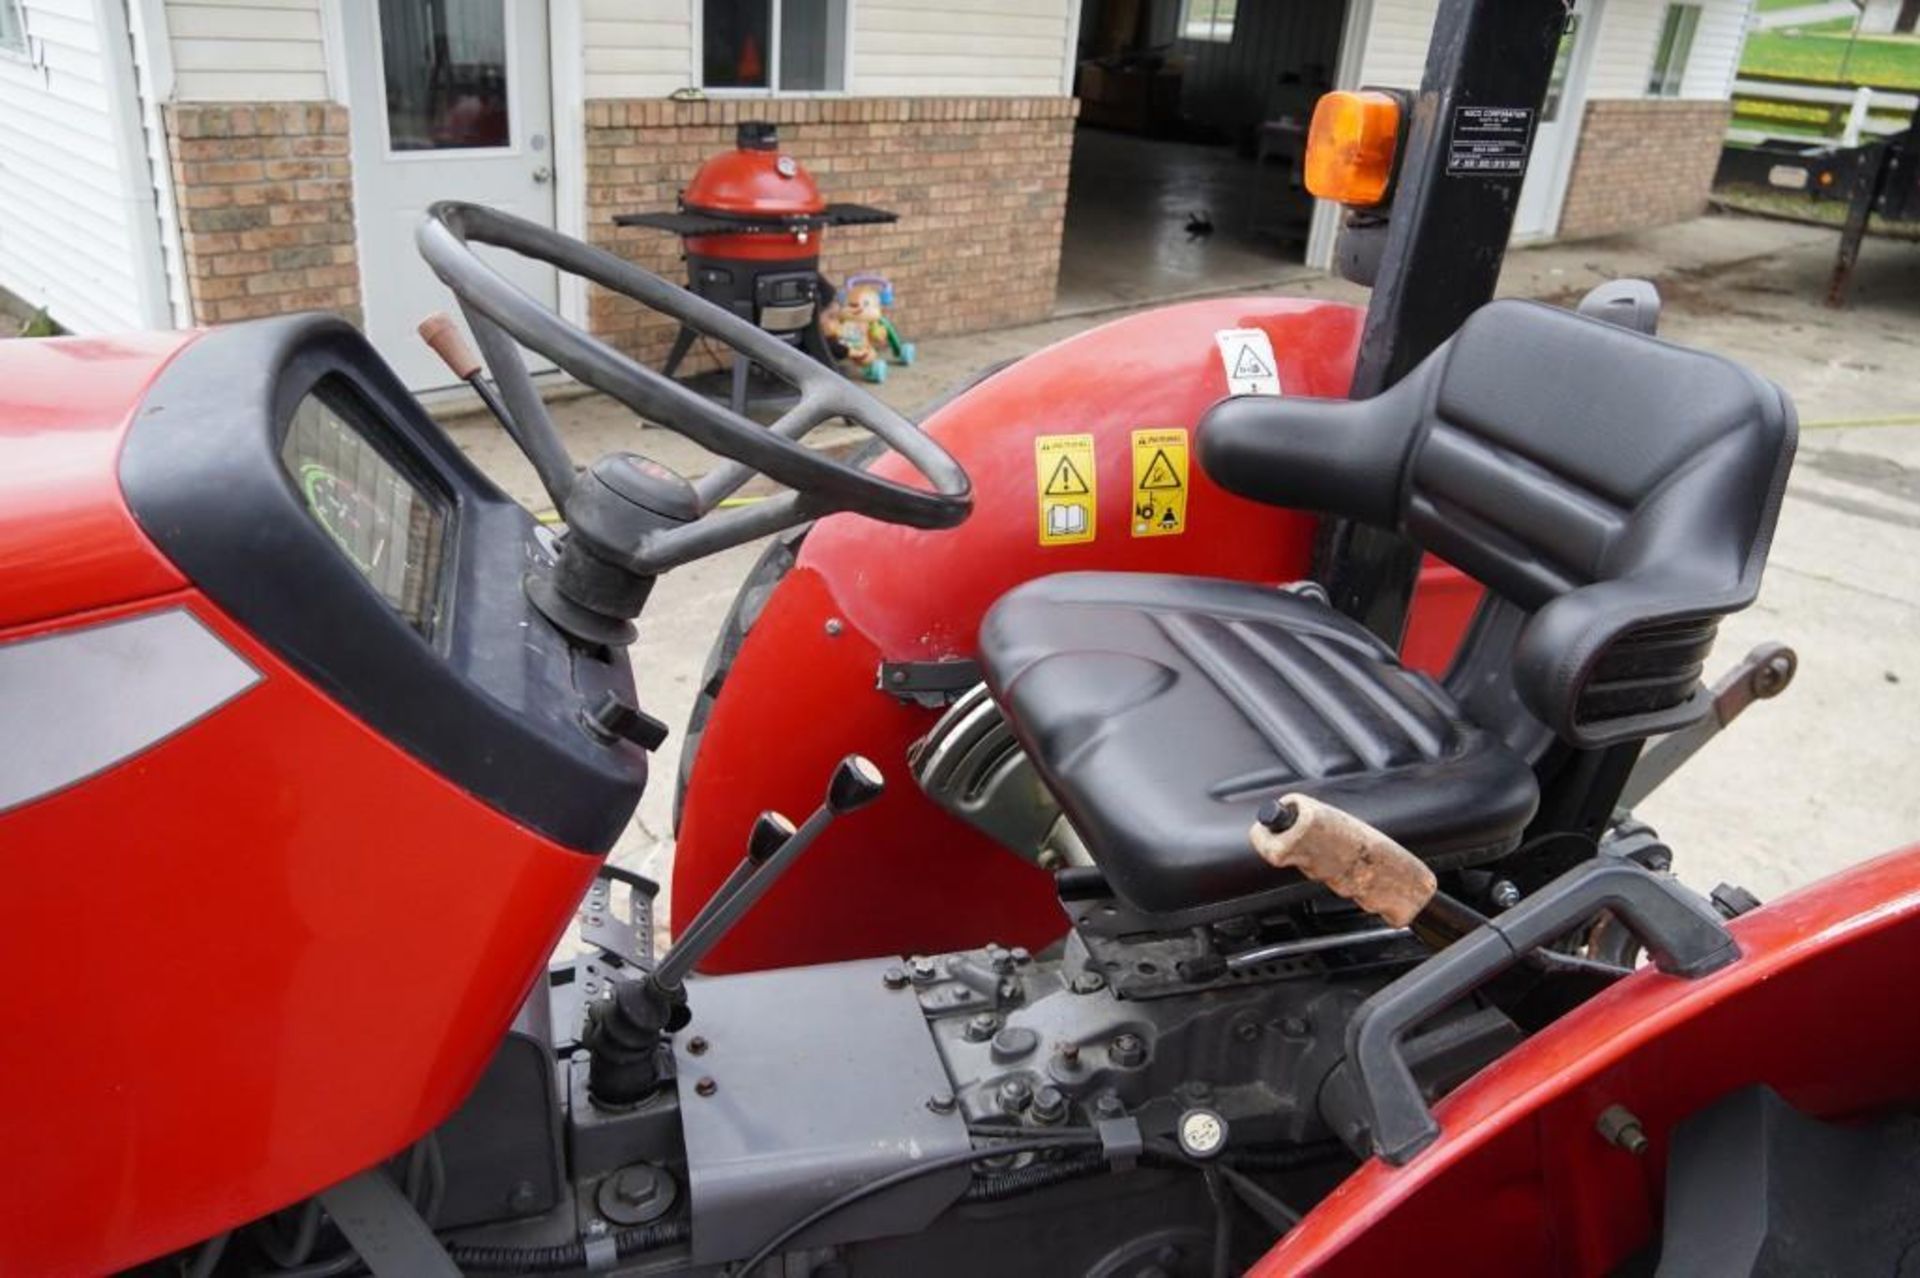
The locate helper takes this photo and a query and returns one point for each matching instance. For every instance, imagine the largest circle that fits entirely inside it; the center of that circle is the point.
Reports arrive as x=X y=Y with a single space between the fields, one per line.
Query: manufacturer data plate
x=1489 y=141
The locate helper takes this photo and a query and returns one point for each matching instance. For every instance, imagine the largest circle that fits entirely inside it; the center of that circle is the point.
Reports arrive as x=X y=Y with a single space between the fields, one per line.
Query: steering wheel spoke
x=643 y=541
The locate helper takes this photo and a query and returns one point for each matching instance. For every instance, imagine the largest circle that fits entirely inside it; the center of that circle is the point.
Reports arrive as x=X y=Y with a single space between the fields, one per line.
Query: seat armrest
x=1330 y=456
x=1561 y=645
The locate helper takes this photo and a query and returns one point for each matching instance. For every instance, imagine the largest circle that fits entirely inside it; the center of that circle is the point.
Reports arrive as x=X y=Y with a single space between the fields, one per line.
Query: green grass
x=1882 y=61
x=1795 y=207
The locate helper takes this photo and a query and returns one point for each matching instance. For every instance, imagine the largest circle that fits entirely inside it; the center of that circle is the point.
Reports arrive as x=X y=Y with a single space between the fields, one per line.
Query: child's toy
x=865 y=330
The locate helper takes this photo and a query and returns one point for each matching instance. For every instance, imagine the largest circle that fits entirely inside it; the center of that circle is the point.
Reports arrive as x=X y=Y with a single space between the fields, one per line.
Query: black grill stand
x=784 y=296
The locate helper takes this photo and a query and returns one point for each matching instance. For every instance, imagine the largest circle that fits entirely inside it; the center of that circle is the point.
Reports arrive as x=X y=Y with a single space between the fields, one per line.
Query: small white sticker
x=1247 y=356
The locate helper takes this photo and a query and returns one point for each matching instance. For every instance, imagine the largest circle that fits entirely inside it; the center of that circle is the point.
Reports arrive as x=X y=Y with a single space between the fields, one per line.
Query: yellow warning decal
x=1159 y=482
x=1063 y=465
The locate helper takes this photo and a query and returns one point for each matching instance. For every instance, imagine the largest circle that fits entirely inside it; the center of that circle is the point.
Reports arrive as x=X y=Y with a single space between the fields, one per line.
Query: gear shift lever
x=625 y=1030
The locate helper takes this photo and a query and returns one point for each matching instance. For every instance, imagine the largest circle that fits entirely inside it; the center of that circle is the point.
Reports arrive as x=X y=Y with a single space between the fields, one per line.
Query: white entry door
x=450 y=101
x=1557 y=132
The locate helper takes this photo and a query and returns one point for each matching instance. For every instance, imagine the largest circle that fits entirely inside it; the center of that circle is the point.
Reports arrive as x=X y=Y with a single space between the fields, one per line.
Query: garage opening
x=1186 y=158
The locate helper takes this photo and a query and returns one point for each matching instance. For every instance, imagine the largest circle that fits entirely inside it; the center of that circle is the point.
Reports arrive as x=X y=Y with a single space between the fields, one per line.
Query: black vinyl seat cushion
x=1162 y=711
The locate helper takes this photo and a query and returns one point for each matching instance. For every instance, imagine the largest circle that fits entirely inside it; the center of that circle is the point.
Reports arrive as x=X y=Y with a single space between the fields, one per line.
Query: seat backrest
x=1620 y=489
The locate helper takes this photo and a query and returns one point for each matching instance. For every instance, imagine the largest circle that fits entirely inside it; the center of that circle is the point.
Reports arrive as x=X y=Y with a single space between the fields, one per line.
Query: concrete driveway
x=1826 y=775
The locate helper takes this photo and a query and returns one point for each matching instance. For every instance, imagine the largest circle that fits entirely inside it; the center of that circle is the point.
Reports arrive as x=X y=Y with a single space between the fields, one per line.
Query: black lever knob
x=856 y=783
x=613 y=717
x=770 y=833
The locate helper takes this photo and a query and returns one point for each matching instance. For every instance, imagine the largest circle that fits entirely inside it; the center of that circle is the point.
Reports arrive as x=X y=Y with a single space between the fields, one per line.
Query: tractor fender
x=792 y=683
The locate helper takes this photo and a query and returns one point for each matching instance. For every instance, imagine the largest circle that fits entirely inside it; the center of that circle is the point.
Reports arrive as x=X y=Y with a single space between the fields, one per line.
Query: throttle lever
x=445 y=339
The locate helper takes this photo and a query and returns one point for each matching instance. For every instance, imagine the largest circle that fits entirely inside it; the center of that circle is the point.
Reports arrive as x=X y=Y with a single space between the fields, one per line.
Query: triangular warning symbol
x=1160 y=473
x=1066 y=481
x=1250 y=364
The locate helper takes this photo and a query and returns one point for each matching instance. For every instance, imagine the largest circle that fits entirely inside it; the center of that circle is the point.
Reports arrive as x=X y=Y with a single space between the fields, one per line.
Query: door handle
x=543 y=174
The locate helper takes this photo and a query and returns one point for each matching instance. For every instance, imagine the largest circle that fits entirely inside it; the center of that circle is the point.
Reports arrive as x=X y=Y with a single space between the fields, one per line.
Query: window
x=1670 y=55
x=777 y=46
x=1207 y=20
x=13 y=27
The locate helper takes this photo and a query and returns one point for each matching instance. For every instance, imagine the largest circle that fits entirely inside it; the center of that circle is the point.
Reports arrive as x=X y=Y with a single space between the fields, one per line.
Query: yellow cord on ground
x=1848 y=423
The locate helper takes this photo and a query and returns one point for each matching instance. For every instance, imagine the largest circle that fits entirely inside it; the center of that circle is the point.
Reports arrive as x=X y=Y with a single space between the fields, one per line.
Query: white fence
x=1849 y=114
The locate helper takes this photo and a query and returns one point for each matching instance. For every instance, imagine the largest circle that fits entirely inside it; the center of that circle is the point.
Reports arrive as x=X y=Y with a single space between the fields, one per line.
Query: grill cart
x=751 y=220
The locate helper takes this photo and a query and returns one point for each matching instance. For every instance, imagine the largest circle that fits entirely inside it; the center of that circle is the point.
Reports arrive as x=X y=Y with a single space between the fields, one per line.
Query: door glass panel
x=445 y=63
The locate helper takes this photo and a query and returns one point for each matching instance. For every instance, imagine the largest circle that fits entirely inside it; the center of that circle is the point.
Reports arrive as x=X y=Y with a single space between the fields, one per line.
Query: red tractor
x=1215 y=737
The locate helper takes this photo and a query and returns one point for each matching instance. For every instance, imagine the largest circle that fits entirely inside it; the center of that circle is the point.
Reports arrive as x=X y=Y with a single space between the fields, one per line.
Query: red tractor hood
x=66 y=537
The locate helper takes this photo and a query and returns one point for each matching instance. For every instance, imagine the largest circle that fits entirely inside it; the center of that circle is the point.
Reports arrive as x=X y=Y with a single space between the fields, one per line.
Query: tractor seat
x=1615 y=493
x=1162 y=711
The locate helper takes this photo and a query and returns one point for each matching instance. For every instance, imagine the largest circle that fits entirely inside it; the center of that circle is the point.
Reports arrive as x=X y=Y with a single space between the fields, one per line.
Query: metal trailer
x=1880 y=179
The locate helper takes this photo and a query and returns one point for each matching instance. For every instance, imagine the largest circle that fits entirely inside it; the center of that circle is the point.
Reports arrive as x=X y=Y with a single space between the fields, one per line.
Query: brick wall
x=980 y=185
x=266 y=208
x=1642 y=163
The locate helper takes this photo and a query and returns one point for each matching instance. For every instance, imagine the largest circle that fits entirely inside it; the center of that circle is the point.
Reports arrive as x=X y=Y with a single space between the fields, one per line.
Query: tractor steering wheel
x=633 y=518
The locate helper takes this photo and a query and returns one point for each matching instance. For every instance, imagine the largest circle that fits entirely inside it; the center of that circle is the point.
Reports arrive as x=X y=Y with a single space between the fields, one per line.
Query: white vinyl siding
x=248 y=50
x=1629 y=31
x=68 y=238
x=897 y=48
x=1395 y=53
x=947 y=48
x=637 y=48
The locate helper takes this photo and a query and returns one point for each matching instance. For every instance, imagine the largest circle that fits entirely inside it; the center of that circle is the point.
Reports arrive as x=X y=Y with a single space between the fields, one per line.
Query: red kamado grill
x=752 y=219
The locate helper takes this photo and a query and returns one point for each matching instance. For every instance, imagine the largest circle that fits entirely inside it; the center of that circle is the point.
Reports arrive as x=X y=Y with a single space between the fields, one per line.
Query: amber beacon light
x=1350 y=146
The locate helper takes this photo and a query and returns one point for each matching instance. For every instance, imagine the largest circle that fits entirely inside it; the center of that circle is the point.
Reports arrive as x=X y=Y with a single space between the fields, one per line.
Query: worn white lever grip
x=1346 y=855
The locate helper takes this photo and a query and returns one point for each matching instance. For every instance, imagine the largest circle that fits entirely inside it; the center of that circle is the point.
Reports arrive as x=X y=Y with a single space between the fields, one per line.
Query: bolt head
x=636 y=1186
x=696 y=1046
x=982 y=1026
x=1049 y=1104
x=834 y=626
x=941 y=1102
x=1505 y=894
x=923 y=971
x=1015 y=1095
x=894 y=978
x=706 y=1086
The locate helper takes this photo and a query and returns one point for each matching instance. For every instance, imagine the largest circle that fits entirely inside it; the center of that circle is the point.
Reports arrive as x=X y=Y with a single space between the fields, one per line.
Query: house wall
x=72 y=233
x=956 y=116
x=980 y=185
x=266 y=208
x=259 y=161
x=897 y=48
x=1639 y=161
x=248 y=50
x=962 y=48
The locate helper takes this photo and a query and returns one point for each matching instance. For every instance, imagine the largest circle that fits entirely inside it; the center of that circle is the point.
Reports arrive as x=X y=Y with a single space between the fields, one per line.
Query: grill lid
x=755 y=178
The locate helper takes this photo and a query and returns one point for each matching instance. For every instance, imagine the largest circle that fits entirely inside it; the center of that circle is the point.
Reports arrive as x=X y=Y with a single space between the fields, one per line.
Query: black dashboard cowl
x=492 y=700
